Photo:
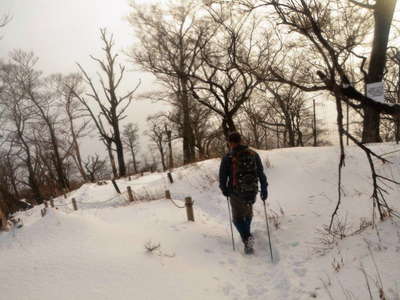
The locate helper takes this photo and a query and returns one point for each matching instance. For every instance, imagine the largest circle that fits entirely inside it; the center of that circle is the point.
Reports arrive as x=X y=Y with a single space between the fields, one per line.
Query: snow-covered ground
x=99 y=251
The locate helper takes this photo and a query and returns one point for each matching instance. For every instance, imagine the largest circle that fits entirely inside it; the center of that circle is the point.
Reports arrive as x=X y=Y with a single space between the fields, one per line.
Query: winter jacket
x=225 y=171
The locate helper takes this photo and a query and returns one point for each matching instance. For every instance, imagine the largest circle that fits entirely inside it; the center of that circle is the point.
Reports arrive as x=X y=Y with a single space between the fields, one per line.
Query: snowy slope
x=99 y=251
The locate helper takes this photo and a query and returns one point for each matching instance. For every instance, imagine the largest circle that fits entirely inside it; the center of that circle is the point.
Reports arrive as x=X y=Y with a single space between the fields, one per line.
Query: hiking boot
x=249 y=245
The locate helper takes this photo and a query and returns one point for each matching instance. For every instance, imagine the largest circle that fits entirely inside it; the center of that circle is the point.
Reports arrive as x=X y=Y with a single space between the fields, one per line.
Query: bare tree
x=158 y=135
x=112 y=107
x=259 y=123
x=43 y=100
x=382 y=10
x=332 y=39
x=170 y=44
x=95 y=167
x=233 y=64
x=130 y=138
x=78 y=125
x=9 y=190
x=18 y=110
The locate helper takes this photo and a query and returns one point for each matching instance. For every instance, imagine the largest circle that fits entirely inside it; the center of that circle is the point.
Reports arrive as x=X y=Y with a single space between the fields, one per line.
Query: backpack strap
x=234 y=170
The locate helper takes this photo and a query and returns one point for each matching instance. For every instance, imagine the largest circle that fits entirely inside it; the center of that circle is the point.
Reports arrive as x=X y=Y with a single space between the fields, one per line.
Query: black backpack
x=244 y=173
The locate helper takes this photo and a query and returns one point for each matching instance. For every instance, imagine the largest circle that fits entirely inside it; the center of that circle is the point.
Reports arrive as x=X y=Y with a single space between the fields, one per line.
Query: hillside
x=99 y=251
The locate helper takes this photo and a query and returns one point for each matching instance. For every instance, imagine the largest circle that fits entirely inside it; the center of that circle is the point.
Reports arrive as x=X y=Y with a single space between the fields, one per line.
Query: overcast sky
x=64 y=32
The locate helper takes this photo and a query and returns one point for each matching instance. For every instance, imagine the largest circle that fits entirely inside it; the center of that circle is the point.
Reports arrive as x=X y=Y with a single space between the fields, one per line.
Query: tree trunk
x=397 y=129
x=120 y=150
x=77 y=151
x=13 y=178
x=62 y=179
x=228 y=126
x=112 y=160
x=189 y=153
x=383 y=13
x=171 y=156
x=161 y=149
x=38 y=198
x=289 y=133
x=133 y=158
x=371 y=124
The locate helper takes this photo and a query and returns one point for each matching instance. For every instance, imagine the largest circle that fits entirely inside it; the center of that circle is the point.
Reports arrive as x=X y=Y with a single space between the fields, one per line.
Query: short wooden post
x=167 y=194
x=65 y=193
x=74 y=204
x=43 y=212
x=189 y=208
x=171 y=180
x=129 y=178
x=46 y=204
x=51 y=202
x=130 y=195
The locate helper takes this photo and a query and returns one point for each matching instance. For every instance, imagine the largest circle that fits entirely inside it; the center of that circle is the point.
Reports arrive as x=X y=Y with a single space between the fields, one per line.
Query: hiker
x=239 y=173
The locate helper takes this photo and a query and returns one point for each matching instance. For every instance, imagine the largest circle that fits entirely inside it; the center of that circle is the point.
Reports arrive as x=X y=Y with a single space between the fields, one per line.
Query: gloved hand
x=264 y=194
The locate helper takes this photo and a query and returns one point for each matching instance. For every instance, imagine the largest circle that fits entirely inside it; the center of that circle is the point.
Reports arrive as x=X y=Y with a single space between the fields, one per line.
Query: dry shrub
x=328 y=238
x=150 y=246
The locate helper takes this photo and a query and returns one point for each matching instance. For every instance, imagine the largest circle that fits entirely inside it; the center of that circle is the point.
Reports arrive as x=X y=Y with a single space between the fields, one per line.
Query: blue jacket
x=225 y=171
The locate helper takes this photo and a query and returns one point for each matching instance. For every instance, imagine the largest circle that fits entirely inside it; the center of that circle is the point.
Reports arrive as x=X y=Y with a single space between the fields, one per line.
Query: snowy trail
x=99 y=251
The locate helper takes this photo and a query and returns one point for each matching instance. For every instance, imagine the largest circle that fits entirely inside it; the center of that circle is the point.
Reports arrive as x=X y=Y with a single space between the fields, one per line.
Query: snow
x=98 y=252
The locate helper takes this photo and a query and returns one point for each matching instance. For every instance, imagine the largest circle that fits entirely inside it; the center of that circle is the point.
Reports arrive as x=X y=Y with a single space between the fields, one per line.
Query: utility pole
x=277 y=136
x=314 y=125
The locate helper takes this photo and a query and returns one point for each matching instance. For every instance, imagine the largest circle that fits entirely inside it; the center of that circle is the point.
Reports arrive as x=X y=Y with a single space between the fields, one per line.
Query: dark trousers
x=242 y=215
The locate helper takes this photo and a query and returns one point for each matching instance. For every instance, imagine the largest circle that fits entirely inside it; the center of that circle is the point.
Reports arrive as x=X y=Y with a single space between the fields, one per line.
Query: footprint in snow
x=232 y=261
x=300 y=271
x=253 y=291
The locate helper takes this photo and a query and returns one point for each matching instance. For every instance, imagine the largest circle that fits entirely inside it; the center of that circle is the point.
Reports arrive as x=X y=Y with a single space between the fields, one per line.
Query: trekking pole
x=230 y=222
x=269 y=237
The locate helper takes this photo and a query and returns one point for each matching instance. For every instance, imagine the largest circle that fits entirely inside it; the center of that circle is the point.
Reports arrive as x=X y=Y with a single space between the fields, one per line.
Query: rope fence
x=131 y=195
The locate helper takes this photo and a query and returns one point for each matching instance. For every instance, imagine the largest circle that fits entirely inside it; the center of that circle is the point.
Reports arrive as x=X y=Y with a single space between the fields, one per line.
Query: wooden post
x=74 y=204
x=130 y=195
x=116 y=186
x=43 y=212
x=189 y=208
x=167 y=194
x=314 y=124
x=46 y=204
x=51 y=202
x=171 y=180
x=65 y=193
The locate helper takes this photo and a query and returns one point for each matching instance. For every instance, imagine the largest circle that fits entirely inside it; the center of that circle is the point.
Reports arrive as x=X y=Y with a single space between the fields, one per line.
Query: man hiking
x=239 y=173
